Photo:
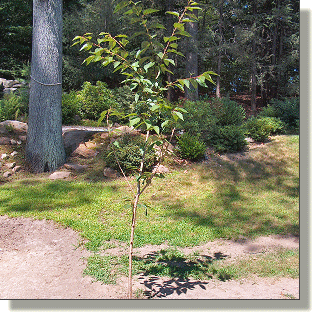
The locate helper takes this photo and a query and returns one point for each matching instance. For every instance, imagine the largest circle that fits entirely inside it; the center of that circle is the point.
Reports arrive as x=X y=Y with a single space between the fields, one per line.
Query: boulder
x=7 y=174
x=16 y=169
x=17 y=127
x=160 y=169
x=10 y=165
x=59 y=175
x=85 y=150
x=75 y=166
x=4 y=140
x=110 y=173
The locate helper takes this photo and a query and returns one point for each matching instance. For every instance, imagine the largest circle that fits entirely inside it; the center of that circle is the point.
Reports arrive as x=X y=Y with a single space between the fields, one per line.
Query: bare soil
x=41 y=260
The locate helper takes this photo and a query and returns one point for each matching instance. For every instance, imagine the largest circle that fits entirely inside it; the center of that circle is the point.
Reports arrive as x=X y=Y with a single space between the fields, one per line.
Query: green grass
x=222 y=198
x=173 y=263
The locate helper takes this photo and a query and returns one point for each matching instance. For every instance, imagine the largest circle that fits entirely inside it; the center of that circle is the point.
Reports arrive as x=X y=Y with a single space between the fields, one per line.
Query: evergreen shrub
x=190 y=147
x=287 y=110
x=230 y=138
x=260 y=128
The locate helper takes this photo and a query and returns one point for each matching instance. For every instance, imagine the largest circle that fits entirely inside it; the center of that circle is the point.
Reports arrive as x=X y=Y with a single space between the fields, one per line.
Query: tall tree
x=192 y=57
x=45 y=150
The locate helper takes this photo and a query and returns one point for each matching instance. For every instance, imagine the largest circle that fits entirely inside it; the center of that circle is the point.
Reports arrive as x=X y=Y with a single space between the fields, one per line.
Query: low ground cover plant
x=191 y=147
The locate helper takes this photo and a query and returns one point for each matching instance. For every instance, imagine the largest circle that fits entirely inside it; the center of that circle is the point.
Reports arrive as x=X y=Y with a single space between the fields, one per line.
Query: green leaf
x=136 y=97
x=178 y=114
x=121 y=5
x=148 y=124
x=165 y=123
x=157 y=26
x=184 y=33
x=134 y=121
x=174 y=13
x=156 y=129
x=89 y=59
x=148 y=65
x=179 y=26
x=102 y=116
x=87 y=46
x=149 y=11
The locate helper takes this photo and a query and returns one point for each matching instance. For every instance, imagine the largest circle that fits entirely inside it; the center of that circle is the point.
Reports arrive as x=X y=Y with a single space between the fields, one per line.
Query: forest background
x=253 y=46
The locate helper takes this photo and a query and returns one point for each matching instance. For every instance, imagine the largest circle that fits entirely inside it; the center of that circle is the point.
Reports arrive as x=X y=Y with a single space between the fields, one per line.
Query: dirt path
x=40 y=260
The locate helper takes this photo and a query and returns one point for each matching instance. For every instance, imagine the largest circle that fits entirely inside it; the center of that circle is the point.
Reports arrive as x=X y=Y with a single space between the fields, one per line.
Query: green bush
x=287 y=110
x=11 y=107
x=190 y=147
x=124 y=98
x=94 y=99
x=228 y=112
x=218 y=121
x=230 y=138
x=259 y=129
x=129 y=154
x=199 y=119
x=70 y=107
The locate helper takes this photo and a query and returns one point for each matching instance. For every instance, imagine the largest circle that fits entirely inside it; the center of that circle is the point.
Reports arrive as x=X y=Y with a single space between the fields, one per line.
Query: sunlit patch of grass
x=257 y=194
x=281 y=263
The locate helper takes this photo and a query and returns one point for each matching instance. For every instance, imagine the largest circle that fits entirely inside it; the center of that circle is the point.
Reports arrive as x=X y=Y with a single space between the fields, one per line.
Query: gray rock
x=75 y=166
x=10 y=165
x=17 y=127
x=160 y=169
x=16 y=169
x=4 y=156
x=7 y=174
x=4 y=140
x=85 y=150
x=110 y=173
x=59 y=175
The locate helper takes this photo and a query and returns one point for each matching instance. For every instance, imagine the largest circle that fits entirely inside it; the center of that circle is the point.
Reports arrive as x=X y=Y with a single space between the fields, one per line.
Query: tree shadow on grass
x=184 y=272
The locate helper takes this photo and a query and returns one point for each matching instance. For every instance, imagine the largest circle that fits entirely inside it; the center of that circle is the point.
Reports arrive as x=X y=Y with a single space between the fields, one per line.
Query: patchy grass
x=230 y=196
x=174 y=264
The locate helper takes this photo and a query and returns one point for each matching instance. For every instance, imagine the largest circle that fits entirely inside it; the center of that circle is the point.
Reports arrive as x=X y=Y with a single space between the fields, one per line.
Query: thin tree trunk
x=254 y=65
x=169 y=26
x=220 y=45
x=45 y=150
x=192 y=58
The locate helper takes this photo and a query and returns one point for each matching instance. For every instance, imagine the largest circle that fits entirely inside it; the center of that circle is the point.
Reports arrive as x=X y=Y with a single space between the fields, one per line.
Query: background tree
x=45 y=150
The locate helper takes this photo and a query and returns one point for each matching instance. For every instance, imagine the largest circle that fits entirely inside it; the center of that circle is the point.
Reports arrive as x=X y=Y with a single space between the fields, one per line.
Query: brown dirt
x=41 y=260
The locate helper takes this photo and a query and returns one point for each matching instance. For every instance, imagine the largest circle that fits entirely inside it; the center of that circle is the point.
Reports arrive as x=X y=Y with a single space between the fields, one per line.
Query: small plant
x=190 y=147
x=127 y=153
x=10 y=107
x=258 y=129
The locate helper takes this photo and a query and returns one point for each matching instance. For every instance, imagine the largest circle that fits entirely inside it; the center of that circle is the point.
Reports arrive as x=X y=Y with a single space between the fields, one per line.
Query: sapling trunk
x=134 y=216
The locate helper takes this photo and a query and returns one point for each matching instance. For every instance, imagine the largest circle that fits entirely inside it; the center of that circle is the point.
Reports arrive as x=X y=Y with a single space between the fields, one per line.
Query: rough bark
x=45 y=150
x=192 y=58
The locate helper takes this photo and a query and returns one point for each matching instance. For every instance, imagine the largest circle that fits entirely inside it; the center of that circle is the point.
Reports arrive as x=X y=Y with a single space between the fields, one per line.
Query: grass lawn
x=231 y=196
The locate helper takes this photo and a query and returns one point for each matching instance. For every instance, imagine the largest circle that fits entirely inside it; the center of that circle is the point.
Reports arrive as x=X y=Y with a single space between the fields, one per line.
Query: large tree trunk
x=192 y=58
x=45 y=150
